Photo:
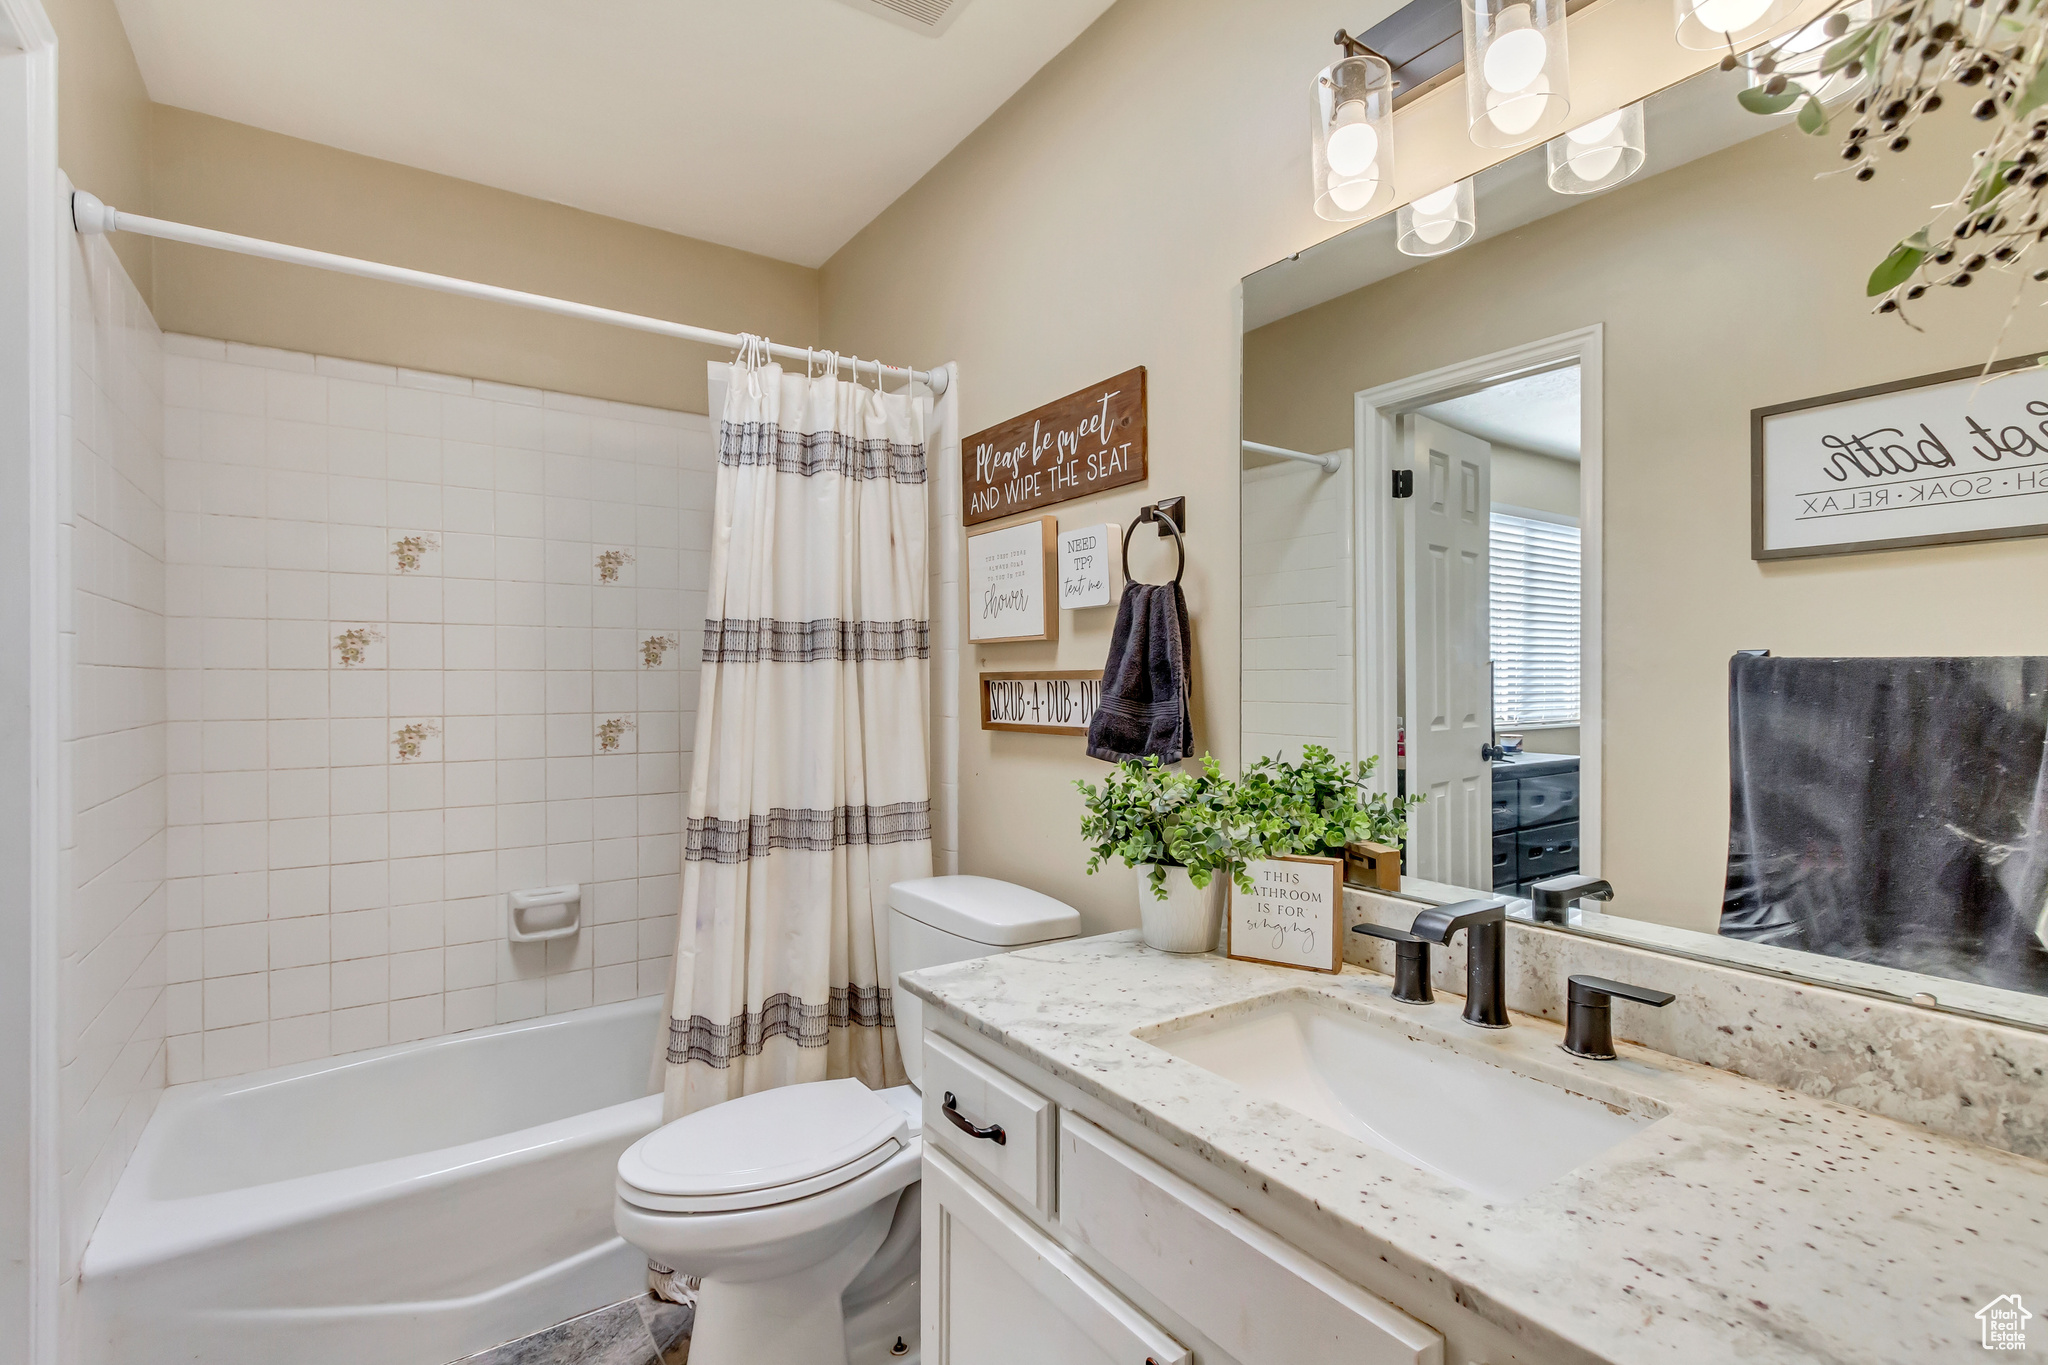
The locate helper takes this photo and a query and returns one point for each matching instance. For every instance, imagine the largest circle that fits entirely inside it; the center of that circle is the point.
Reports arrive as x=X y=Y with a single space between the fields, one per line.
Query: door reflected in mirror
x=1529 y=579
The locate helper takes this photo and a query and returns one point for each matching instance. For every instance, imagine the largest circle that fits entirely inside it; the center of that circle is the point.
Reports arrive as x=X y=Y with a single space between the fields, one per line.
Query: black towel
x=1144 y=706
x=1892 y=811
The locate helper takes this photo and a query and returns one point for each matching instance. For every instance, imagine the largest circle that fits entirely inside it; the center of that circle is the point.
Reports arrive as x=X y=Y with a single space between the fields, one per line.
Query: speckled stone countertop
x=1748 y=1223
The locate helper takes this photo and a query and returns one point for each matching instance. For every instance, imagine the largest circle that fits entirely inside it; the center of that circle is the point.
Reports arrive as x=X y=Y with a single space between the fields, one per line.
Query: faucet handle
x=1411 y=962
x=1589 y=1013
x=1553 y=896
x=1595 y=990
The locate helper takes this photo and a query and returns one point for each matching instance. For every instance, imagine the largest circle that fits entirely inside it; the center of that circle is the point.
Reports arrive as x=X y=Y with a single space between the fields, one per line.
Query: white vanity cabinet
x=1077 y=1248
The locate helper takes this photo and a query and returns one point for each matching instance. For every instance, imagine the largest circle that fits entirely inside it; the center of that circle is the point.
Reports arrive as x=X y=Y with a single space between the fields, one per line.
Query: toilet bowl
x=796 y=1209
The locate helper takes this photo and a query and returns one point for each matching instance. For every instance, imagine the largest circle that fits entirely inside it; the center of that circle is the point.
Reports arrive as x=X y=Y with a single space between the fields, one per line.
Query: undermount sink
x=1477 y=1124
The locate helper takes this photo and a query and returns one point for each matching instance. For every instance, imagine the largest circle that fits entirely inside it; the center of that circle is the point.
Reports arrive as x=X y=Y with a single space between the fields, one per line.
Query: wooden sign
x=1294 y=916
x=1928 y=461
x=1088 y=441
x=1056 y=703
x=1010 y=583
x=1085 y=565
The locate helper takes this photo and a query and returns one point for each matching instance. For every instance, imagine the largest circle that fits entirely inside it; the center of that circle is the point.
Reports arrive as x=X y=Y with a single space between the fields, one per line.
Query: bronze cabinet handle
x=993 y=1132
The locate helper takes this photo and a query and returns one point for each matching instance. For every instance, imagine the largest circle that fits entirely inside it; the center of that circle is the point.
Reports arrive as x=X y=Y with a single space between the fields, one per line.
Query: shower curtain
x=808 y=794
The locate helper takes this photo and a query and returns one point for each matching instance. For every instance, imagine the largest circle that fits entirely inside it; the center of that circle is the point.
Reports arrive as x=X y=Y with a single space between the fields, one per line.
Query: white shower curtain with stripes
x=808 y=794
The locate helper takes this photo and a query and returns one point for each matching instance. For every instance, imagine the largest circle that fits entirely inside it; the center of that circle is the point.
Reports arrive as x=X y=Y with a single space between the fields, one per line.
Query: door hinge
x=1404 y=483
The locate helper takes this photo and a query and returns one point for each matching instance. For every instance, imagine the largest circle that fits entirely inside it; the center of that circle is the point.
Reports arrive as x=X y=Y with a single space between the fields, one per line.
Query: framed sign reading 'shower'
x=1010 y=577
x=1943 y=458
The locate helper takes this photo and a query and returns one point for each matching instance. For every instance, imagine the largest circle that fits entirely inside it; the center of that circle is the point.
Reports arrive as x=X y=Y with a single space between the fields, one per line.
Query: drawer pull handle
x=993 y=1132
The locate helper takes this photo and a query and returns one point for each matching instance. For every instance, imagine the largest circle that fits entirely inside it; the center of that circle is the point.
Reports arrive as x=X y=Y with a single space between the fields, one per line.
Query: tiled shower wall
x=429 y=641
x=111 y=918
x=1296 y=612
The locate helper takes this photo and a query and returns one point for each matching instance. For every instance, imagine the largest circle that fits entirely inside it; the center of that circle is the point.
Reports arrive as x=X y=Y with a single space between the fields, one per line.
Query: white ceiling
x=1538 y=412
x=776 y=126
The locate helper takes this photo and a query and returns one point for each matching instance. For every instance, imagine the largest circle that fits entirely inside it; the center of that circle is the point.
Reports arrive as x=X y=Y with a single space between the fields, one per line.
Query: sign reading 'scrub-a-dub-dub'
x=1092 y=439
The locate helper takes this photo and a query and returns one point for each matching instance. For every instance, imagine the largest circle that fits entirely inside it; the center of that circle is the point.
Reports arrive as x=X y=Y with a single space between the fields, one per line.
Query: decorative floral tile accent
x=353 y=645
x=412 y=739
x=610 y=562
x=412 y=550
x=655 y=648
x=612 y=731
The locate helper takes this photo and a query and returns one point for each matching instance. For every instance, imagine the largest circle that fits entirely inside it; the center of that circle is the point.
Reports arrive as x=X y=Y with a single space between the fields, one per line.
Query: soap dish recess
x=548 y=912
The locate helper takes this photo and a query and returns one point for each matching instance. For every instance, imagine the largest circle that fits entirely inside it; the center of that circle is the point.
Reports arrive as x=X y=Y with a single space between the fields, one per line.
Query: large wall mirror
x=1622 y=533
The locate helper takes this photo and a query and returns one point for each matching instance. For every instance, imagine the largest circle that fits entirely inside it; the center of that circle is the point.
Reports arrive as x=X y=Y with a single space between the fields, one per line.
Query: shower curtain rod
x=1329 y=460
x=89 y=215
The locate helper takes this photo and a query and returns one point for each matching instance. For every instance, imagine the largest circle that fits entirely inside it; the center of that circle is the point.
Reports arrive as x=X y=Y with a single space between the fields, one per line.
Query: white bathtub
x=407 y=1206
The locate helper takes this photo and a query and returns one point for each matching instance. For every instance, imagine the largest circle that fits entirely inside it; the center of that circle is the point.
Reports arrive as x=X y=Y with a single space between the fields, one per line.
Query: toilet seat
x=763 y=1149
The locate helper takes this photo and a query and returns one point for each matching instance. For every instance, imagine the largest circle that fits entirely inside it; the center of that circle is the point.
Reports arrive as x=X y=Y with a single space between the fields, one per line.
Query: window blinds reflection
x=1533 y=621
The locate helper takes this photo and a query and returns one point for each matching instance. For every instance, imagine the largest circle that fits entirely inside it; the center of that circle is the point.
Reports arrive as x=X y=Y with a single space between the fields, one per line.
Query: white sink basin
x=1476 y=1124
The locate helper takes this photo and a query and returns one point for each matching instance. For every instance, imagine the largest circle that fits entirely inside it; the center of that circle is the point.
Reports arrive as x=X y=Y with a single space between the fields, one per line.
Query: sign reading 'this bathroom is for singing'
x=1092 y=439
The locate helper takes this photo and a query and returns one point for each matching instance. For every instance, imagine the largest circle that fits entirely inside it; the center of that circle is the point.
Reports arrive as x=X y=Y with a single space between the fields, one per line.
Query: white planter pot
x=1186 y=918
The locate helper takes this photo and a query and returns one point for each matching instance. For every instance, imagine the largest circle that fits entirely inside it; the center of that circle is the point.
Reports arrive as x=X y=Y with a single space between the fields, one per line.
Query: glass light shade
x=1801 y=54
x=1517 y=71
x=1714 y=25
x=1438 y=222
x=1598 y=153
x=1352 y=127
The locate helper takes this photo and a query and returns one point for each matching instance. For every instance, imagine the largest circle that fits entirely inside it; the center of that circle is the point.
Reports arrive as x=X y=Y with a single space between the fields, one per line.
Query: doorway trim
x=1376 y=414
x=31 y=210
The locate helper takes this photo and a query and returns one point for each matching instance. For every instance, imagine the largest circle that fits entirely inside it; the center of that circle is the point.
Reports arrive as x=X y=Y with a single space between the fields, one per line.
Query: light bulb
x=1436 y=203
x=1516 y=55
x=1596 y=162
x=1353 y=144
x=1434 y=230
x=1729 y=16
x=1597 y=130
x=1352 y=195
x=1516 y=113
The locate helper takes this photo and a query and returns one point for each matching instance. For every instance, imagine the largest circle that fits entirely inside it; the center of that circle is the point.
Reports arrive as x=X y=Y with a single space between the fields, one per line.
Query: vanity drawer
x=1021 y=1164
x=1546 y=800
x=1261 y=1300
x=1503 y=860
x=1507 y=803
x=1548 y=851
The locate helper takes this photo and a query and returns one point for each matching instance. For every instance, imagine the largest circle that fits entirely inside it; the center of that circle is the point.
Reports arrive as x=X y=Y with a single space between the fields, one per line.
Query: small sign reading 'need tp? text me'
x=1085 y=565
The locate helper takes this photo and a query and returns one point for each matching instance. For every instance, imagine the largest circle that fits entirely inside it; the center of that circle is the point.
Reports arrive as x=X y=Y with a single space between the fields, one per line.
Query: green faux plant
x=1149 y=813
x=1315 y=807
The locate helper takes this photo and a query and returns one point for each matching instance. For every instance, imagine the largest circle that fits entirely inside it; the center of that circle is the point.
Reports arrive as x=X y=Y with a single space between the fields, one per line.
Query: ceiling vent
x=929 y=17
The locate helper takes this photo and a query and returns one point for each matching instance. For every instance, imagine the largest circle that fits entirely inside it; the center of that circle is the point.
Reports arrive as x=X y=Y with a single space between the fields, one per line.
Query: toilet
x=796 y=1209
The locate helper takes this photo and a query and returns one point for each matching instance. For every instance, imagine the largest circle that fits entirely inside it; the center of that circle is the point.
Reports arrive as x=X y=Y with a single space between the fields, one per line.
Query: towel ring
x=1180 y=547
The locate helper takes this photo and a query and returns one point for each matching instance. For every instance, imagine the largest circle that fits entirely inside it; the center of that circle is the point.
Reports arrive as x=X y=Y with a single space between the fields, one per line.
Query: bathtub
x=407 y=1206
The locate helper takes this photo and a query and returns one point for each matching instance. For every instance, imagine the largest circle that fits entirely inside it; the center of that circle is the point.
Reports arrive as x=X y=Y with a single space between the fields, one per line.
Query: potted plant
x=1184 y=836
x=1318 y=808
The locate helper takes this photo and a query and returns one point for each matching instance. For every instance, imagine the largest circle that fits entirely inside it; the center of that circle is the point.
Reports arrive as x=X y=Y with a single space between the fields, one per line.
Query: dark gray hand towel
x=1144 y=706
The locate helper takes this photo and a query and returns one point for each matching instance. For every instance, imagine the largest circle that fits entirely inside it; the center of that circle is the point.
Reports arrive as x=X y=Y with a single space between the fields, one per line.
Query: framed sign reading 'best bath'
x=1935 y=460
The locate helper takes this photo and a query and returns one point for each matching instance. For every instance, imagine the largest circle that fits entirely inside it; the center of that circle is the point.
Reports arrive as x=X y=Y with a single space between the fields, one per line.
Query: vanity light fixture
x=1438 y=222
x=1517 y=72
x=1352 y=114
x=1601 y=152
x=1712 y=25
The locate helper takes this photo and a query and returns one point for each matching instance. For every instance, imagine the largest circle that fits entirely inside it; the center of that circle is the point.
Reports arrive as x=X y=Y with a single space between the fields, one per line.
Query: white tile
x=353 y=1030
x=236 y=1051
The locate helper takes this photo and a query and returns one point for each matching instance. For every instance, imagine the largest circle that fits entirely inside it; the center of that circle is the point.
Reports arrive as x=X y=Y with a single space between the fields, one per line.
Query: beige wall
x=1542 y=483
x=1102 y=219
x=103 y=117
x=1731 y=283
x=218 y=174
x=171 y=163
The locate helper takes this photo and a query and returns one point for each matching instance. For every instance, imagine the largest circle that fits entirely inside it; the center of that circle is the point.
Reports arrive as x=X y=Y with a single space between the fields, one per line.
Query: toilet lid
x=749 y=1151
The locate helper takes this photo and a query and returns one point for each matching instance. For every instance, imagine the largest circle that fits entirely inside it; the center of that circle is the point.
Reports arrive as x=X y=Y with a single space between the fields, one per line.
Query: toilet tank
x=935 y=920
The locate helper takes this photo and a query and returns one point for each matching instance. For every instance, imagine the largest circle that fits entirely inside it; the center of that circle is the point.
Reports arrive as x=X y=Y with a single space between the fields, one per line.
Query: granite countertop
x=1749 y=1223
